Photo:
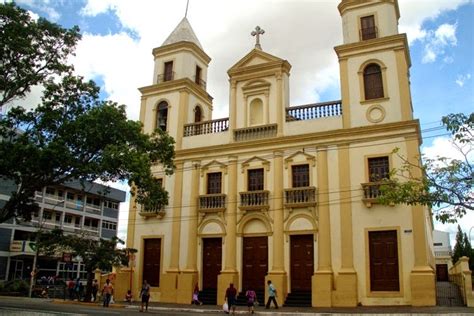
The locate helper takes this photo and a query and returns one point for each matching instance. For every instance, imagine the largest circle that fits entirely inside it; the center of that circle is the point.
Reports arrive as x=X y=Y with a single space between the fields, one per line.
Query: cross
x=258 y=31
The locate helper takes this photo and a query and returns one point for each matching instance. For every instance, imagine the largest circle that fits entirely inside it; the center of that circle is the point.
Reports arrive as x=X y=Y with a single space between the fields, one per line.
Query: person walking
x=196 y=296
x=95 y=289
x=251 y=299
x=107 y=292
x=145 y=295
x=272 y=293
x=230 y=296
x=70 y=287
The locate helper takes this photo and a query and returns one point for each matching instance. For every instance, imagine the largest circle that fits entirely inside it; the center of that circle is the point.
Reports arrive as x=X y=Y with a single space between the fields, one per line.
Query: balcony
x=371 y=193
x=300 y=197
x=314 y=111
x=206 y=127
x=53 y=200
x=165 y=77
x=254 y=200
x=75 y=205
x=93 y=209
x=255 y=132
x=212 y=203
x=152 y=212
x=368 y=33
x=200 y=82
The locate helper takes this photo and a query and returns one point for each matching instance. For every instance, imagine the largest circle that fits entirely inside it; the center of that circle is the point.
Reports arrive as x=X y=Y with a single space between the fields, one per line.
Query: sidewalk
x=298 y=311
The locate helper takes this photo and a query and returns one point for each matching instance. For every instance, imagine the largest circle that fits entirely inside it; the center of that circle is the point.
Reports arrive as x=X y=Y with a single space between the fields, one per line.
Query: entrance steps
x=208 y=296
x=298 y=299
x=448 y=294
x=242 y=299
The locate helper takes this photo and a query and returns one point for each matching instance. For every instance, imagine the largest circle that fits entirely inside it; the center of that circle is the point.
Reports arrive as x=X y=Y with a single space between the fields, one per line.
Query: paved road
x=41 y=307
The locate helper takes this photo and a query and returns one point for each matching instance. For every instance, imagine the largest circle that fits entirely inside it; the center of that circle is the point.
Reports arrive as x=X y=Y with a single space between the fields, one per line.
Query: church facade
x=286 y=193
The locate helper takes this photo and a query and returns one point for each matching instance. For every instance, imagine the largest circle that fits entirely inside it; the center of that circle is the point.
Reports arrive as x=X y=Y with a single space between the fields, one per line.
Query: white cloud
x=437 y=41
x=42 y=6
x=461 y=79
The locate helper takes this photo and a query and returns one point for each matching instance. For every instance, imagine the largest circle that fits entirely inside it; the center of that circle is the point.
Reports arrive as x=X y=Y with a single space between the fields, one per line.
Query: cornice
x=257 y=70
x=386 y=43
x=326 y=138
x=181 y=46
x=175 y=86
x=347 y=5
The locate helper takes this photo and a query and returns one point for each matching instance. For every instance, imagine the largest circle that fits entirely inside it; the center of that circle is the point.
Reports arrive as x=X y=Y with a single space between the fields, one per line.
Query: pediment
x=213 y=164
x=309 y=158
x=262 y=162
x=255 y=57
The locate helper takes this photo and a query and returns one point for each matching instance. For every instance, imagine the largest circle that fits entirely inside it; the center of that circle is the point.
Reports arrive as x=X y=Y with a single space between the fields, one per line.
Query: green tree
x=459 y=248
x=95 y=254
x=446 y=185
x=72 y=134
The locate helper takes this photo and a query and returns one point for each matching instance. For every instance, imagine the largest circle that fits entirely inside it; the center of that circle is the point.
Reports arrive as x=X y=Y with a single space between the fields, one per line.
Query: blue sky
x=118 y=37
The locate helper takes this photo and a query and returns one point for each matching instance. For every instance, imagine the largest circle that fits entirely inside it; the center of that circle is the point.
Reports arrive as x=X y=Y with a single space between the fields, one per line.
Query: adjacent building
x=285 y=192
x=443 y=253
x=92 y=209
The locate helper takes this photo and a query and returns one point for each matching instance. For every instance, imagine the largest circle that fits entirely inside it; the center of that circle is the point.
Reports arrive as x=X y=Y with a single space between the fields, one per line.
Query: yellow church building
x=281 y=192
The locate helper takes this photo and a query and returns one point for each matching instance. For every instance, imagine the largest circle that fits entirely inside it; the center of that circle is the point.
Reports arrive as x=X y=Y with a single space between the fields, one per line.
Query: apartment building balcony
x=212 y=203
x=299 y=197
x=206 y=127
x=52 y=200
x=93 y=209
x=71 y=228
x=314 y=111
x=92 y=231
x=255 y=132
x=75 y=205
x=254 y=200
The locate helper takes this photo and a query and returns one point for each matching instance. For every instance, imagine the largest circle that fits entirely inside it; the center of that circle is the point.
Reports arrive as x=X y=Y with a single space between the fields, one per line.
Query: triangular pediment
x=253 y=58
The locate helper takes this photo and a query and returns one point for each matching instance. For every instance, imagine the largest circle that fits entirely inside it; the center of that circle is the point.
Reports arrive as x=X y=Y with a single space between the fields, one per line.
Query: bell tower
x=178 y=94
x=374 y=64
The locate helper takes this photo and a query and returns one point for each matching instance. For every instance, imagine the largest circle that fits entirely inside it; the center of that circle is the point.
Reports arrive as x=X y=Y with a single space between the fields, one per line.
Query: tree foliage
x=463 y=248
x=72 y=134
x=446 y=185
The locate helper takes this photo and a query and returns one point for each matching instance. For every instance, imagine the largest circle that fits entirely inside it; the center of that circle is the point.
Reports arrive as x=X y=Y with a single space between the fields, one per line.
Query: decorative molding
x=263 y=162
x=309 y=158
x=220 y=166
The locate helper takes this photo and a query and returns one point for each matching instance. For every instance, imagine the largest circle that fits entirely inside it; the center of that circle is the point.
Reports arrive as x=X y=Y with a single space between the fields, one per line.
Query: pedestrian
x=95 y=289
x=196 y=295
x=70 y=287
x=231 y=297
x=107 y=292
x=128 y=297
x=77 y=289
x=272 y=293
x=251 y=299
x=145 y=295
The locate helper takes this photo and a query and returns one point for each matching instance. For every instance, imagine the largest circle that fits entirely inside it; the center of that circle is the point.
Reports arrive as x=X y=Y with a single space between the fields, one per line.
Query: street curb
x=67 y=302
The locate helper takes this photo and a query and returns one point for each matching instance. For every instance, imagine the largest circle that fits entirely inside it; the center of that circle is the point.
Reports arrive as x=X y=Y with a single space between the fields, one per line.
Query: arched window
x=373 y=83
x=162 y=115
x=197 y=114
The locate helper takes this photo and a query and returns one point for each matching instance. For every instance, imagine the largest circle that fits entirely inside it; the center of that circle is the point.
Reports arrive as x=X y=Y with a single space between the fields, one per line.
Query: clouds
x=43 y=6
x=461 y=79
x=436 y=43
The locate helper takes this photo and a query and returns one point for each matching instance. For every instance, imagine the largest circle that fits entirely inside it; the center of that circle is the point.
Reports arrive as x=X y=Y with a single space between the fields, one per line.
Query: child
x=251 y=299
x=196 y=295
x=128 y=297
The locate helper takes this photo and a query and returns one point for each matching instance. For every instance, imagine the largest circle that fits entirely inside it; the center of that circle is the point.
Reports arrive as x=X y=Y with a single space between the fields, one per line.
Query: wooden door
x=301 y=262
x=442 y=272
x=383 y=251
x=151 y=261
x=255 y=262
x=211 y=262
x=168 y=71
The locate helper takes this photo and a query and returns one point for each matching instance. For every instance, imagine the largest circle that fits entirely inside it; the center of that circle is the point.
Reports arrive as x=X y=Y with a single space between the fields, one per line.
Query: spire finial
x=258 y=31
x=186 y=13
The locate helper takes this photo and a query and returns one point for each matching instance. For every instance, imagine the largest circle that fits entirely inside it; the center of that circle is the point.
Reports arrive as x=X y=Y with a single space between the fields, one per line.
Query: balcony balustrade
x=254 y=200
x=255 y=132
x=314 y=111
x=94 y=209
x=206 y=127
x=165 y=77
x=367 y=33
x=212 y=203
x=152 y=212
x=300 y=197
x=372 y=192
x=200 y=82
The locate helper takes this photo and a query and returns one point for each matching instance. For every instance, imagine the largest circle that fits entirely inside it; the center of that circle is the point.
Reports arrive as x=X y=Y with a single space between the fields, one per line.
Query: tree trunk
x=90 y=277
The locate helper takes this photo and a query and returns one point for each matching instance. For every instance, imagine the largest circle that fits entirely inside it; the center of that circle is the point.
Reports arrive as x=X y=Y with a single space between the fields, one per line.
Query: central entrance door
x=255 y=262
x=302 y=262
x=211 y=262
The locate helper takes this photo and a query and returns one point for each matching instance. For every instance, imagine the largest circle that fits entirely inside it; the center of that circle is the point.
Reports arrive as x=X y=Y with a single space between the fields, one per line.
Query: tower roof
x=182 y=33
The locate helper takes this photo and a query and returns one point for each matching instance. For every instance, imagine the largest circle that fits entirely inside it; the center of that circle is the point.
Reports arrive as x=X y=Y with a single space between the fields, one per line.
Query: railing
x=91 y=208
x=206 y=127
x=200 y=82
x=443 y=253
x=212 y=202
x=313 y=111
x=156 y=211
x=165 y=77
x=255 y=132
x=371 y=190
x=304 y=196
x=368 y=33
x=254 y=199
x=74 y=205
x=462 y=277
x=53 y=200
